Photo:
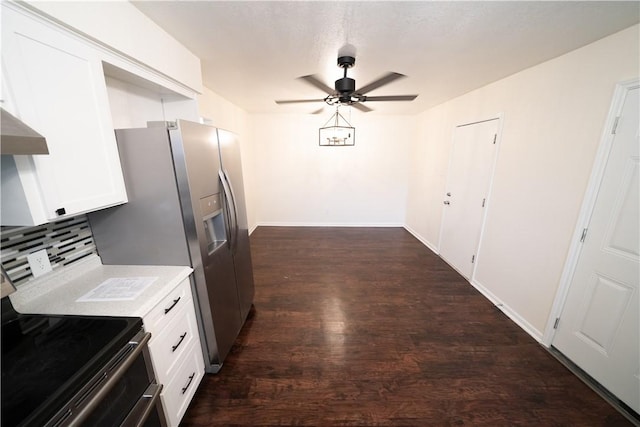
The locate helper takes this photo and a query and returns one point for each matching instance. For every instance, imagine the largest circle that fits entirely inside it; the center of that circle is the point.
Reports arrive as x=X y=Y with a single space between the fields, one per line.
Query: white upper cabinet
x=130 y=39
x=54 y=82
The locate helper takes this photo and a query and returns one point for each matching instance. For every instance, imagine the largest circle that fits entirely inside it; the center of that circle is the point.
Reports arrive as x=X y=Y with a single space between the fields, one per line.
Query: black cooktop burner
x=46 y=359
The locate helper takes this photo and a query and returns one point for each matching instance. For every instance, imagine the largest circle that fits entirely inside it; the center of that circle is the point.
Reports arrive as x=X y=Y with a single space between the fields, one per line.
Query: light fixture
x=338 y=134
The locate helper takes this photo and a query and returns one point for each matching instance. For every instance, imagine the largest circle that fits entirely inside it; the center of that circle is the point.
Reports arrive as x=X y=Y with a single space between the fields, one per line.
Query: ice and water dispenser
x=213 y=218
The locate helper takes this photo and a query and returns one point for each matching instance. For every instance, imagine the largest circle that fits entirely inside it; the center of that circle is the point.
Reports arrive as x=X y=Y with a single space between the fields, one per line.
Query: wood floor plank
x=366 y=326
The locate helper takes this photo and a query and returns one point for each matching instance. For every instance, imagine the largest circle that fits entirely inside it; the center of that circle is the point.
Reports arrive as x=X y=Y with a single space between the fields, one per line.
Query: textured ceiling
x=252 y=52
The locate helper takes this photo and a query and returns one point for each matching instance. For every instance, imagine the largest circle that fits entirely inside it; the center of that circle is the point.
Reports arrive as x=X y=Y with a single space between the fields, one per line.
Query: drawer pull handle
x=175 y=301
x=174 y=347
x=184 y=389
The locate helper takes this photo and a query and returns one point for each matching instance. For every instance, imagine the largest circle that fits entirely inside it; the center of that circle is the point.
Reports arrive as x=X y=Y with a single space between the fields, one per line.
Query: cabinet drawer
x=169 y=346
x=177 y=393
x=162 y=315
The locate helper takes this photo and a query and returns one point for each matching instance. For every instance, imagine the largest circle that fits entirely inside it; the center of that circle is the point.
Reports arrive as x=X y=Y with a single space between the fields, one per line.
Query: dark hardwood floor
x=366 y=326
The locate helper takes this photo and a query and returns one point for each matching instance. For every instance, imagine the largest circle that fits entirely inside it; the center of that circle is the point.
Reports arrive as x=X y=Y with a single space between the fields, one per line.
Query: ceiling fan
x=345 y=92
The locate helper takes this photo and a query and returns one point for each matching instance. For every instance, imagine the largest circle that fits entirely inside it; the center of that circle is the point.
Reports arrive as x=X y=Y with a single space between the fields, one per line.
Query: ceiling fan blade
x=313 y=81
x=318 y=111
x=391 y=98
x=297 y=101
x=386 y=79
x=361 y=107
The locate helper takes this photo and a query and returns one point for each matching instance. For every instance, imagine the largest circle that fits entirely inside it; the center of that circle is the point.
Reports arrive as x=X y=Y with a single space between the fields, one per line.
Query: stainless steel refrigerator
x=186 y=207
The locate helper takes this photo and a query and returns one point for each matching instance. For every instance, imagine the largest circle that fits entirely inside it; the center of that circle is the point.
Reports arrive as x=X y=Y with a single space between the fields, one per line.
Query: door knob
x=446 y=202
x=449 y=194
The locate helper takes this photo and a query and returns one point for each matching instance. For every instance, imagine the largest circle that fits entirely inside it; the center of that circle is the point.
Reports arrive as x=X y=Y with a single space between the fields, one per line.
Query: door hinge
x=556 y=323
x=473 y=259
x=615 y=125
x=483 y=201
x=495 y=137
x=584 y=235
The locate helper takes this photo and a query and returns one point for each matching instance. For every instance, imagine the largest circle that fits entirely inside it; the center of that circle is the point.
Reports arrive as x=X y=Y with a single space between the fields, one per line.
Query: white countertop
x=58 y=292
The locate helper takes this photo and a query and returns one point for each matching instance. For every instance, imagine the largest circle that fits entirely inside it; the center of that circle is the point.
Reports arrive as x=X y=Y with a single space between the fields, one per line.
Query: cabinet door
x=55 y=84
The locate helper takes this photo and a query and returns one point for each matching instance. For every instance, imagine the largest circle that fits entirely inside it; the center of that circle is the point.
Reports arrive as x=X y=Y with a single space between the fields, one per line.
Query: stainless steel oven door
x=148 y=411
x=123 y=393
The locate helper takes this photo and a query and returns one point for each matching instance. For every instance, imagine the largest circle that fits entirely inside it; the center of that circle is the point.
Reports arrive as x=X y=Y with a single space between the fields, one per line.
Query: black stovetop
x=46 y=360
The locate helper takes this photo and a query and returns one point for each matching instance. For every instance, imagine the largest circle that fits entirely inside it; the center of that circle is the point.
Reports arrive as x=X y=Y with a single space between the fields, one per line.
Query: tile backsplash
x=66 y=241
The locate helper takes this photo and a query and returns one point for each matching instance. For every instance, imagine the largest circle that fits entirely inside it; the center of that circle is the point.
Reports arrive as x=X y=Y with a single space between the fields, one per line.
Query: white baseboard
x=324 y=224
x=511 y=314
x=422 y=240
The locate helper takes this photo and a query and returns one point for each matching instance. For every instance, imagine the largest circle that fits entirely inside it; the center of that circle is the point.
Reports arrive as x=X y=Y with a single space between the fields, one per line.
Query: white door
x=599 y=325
x=468 y=182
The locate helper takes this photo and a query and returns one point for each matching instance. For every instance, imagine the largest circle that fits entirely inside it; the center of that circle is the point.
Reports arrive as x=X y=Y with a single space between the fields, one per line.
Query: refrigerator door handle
x=234 y=207
x=227 y=210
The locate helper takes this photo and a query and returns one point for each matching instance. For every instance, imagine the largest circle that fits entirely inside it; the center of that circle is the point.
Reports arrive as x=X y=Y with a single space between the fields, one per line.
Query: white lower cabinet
x=175 y=350
x=178 y=392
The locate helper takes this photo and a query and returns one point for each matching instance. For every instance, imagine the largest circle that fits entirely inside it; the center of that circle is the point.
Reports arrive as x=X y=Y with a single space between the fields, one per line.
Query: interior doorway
x=598 y=327
x=467 y=193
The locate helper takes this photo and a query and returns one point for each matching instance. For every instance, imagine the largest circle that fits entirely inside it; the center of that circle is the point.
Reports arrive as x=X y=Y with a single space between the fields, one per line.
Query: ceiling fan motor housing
x=345 y=85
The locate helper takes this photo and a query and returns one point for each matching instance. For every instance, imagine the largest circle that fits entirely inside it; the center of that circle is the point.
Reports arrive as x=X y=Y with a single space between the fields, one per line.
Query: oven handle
x=140 y=343
x=143 y=408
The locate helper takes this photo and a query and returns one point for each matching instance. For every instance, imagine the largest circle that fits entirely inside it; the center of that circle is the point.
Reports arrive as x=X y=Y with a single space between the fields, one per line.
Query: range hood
x=18 y=138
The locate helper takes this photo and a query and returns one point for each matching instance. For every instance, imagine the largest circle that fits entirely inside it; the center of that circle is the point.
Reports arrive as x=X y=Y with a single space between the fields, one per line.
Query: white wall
x=553 y=121
x=133 y=106
x=428 y=168
x=222 y=113
x=301 y=183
